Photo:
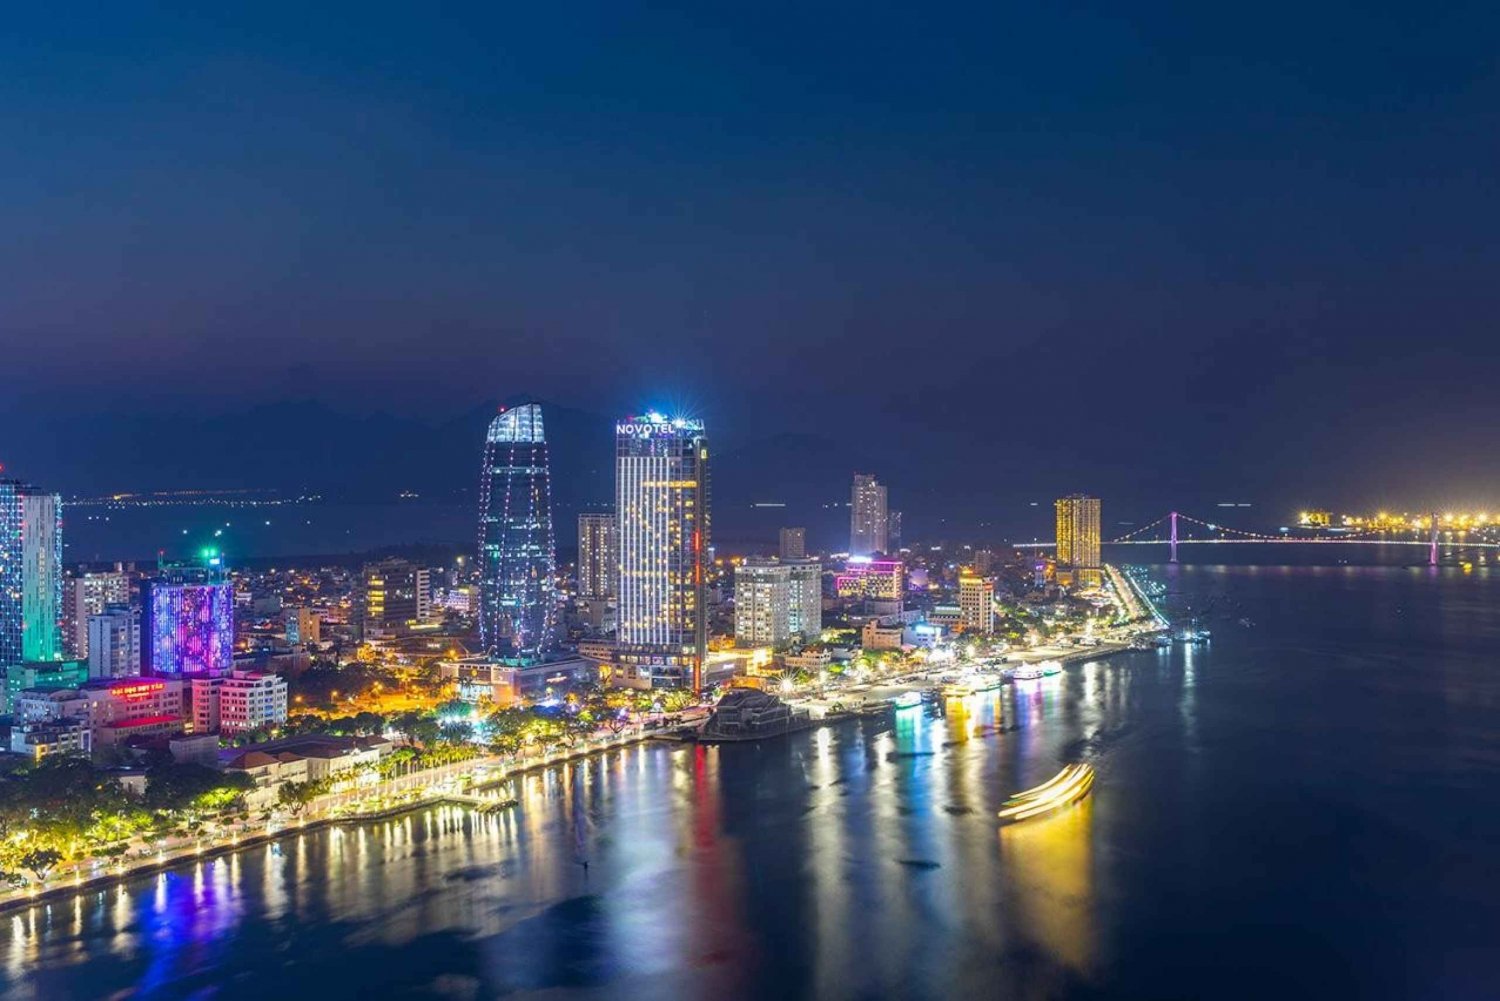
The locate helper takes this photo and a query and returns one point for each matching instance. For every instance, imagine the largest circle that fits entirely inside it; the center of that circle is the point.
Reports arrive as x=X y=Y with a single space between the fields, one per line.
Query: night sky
x=1167 y=253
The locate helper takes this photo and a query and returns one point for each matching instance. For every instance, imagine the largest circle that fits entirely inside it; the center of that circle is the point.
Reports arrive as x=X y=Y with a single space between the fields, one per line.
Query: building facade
x=976 y=602
x=1078 y=560
x=762 y=603
x=114 y=643
x=871 y=580
x=517 y=557
x=804 y=598
x=187 y=621
x=662 y=514
x=30 y=574
x=868 y=523
x=793 y=543
x=87 y=594
x=395 y=595
x=598 y=556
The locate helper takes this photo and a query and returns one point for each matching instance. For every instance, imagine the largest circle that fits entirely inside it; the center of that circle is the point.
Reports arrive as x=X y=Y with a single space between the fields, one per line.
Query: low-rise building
x=38 y=740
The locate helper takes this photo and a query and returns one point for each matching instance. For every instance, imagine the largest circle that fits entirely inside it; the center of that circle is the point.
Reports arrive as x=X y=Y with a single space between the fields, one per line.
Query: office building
x=598 y=556
x=893 y=530
x=395 y=596
x=86 y=594
x=238 y=702
x=976 y=602
x=114 y=643
x=793 y=543
x=517 y=559
x=187 y=619
x=868 y=523
x=1078 y=561
x=30 y=574
x=662 y=514
x=761 y=603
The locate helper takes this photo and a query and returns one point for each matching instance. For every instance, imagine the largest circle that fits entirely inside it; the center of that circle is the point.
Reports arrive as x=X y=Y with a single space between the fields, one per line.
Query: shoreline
x=145 y=867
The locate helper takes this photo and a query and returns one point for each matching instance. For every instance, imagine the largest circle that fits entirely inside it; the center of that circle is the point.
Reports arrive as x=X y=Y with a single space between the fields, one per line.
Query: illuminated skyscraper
x=30 y=574
x=1078 y=560
x=868 y=524
x=517 y=561
x=598 y=556
x=662 y=512
x=187 y=621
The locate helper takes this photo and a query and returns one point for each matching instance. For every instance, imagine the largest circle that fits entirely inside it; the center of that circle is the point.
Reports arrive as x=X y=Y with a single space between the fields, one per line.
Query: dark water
x=1309 y=807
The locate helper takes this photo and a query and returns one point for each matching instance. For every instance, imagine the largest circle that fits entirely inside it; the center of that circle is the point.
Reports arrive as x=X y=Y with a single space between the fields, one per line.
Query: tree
x=40 y=862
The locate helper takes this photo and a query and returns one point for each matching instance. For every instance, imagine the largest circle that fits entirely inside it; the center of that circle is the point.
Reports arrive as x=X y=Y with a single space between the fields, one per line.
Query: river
x=1305 y=807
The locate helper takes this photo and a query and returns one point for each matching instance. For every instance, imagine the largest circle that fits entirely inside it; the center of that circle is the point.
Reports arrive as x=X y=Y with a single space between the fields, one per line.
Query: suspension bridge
x=1176 y=529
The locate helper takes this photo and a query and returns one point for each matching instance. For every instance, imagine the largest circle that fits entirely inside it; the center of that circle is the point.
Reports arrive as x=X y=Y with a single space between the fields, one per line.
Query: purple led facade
x=191 y=628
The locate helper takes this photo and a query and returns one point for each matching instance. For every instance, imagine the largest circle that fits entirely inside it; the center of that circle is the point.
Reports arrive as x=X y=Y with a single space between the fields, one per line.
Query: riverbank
x=333 y=812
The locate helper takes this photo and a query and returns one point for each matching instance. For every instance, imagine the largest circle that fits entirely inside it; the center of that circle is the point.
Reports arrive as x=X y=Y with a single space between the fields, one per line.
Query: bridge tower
x=1174 y=539
x=1432 y=553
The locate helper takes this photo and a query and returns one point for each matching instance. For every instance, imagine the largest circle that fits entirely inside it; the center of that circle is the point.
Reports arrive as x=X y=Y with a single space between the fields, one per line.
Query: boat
x=1065 y=788
x=958 y=689
x=1050 y=668
x=1028 y=673
x=908 y=700
x=1163 y=640
x=988 y=683
x=933 y=694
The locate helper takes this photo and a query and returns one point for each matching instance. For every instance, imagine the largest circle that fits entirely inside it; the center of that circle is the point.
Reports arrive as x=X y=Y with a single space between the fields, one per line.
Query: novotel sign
x=658 y=429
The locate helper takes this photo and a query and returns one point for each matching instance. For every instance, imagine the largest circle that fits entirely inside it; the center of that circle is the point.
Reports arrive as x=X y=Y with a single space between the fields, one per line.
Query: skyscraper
x=517 y=560
x=86 y=594
x=867 y=517
x=30 y=574
x=662 y=514
x=598 y=556
x=187 y=621
x=793 y=543
x=1078 y=560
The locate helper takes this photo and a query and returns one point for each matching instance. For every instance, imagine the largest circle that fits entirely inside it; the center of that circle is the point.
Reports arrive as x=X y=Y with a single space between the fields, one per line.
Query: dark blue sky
x=1154 y=251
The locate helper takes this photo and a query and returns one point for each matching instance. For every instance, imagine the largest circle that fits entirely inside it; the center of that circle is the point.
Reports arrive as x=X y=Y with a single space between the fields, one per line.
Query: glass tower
x=30 y=574
x=662 y=524
x=517 y=565
x=1078 y=540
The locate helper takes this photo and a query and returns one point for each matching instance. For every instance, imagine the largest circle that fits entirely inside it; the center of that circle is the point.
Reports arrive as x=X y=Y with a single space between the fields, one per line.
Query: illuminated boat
x=908 y=700
x=987 y=683
x=1027 y=673
x=958 y=689
x=1064 y=789
x=1050 y=667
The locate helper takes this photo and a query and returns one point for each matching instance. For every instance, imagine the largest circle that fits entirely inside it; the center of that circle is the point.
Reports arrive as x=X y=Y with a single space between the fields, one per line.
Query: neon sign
x=654 y=425
x=138 y=690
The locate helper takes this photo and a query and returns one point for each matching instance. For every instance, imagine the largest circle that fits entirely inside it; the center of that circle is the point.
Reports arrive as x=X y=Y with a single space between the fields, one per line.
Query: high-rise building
x=598 y=555
x=187 y=621
x=868 y=523
x=395 y=595
x=976 y=602
x=662 y=514
x=761 y=603
x=1078 y=561
x=517 y=559
x=86 y=594
x=30 y=574
x=893 y=530
x=793 y=543
x=114 y=643
x=804 y=598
